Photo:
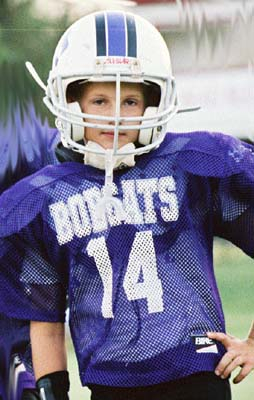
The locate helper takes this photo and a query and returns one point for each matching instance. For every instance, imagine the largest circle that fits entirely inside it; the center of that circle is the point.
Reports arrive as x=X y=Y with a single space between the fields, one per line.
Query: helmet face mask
x=112 y=47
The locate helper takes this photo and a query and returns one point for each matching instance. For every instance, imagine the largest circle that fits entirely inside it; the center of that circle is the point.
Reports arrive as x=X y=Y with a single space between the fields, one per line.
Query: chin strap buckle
x=108 y=198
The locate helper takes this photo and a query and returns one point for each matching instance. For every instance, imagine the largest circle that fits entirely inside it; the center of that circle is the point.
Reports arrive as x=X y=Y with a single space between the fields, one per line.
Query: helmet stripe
x=132 y=36
x=116 y=34
x=100 y=34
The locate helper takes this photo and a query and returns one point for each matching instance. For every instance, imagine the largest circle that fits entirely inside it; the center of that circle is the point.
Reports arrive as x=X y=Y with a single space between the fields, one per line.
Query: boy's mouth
x=111 y=133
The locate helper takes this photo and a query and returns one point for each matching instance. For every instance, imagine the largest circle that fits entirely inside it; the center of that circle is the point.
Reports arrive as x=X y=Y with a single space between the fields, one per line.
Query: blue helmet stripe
x=100 y=35
x=116 y=34
x=132 y=36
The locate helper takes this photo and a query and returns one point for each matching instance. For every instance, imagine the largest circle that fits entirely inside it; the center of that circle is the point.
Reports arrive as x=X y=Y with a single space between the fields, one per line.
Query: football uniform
x=141 y=287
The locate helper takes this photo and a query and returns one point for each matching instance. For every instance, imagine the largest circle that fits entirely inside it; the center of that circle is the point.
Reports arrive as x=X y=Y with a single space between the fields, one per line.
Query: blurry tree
x=24 y=36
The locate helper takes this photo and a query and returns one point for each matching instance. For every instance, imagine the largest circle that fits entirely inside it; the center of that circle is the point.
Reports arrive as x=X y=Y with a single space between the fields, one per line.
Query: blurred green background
x=25 y=36
x=235 y=277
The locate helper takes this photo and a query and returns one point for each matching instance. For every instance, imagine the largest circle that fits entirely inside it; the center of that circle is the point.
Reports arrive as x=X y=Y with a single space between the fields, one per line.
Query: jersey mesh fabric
x=138 y=289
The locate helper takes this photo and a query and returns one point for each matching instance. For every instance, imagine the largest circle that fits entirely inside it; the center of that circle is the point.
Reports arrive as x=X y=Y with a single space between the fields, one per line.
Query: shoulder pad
x=210 y=153
x=21 y=203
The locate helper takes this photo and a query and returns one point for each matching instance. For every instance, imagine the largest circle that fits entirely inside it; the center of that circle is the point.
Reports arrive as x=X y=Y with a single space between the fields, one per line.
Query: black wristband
x=54 y=386
x=30 y=394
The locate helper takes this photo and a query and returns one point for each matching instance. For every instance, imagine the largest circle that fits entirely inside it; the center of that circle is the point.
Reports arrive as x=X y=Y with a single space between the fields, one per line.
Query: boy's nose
x=112 y=113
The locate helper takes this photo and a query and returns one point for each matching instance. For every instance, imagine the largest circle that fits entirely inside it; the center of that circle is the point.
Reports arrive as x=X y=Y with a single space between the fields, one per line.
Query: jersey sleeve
x=228 y=163
x=33 y=272
x=234 y=198
x=234 y=211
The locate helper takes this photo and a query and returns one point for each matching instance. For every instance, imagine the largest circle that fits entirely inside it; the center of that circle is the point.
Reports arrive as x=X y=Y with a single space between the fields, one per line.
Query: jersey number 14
x=142 y=260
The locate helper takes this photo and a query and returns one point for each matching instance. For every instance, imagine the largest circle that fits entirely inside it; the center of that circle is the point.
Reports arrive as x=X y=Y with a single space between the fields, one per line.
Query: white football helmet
x=111 y=46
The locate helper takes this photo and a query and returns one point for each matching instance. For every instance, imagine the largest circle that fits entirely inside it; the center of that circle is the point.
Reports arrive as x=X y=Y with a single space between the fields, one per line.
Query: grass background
x=235 y=277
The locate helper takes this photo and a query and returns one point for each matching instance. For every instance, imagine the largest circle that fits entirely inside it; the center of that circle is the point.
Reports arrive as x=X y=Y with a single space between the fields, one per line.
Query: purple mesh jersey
x=138 y=289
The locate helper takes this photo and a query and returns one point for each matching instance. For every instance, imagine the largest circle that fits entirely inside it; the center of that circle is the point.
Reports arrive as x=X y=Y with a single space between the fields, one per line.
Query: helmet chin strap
x=95 y=159
x=108 y=199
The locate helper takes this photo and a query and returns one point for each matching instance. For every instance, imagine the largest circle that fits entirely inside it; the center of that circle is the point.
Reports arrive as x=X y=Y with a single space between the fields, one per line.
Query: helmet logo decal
x=116 y=35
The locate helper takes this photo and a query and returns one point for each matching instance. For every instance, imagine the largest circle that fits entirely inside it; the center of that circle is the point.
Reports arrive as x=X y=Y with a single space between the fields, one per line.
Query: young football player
x=125 y=228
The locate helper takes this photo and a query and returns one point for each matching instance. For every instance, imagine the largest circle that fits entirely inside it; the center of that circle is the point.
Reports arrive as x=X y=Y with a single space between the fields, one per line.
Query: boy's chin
x=109 y=146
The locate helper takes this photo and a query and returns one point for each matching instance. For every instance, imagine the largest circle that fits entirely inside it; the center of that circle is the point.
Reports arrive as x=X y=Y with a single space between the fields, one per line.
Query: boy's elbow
x=47 y=328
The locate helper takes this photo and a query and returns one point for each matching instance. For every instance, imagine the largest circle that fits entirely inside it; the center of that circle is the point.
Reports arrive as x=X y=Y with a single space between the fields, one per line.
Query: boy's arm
x=240 y=353
x=48 y=347
x=49 y=359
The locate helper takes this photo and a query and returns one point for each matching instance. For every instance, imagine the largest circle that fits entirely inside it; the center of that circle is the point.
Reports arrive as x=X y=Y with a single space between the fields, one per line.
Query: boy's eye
x=130 y=102
x=99 y=101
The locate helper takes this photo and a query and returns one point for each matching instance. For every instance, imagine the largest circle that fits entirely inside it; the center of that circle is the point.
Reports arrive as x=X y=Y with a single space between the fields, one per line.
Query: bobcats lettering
x=142 y=201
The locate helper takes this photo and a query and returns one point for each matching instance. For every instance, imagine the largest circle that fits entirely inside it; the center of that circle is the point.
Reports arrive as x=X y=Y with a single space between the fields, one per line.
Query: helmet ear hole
x=146 y=135
x=77 y=131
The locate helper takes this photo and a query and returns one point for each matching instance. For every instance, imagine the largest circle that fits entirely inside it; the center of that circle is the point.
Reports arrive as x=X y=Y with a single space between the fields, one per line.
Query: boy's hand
x=240 y=353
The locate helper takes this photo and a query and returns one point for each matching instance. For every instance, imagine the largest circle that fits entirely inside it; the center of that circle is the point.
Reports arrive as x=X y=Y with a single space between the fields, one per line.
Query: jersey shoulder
x=20 y=204
x=209 y=153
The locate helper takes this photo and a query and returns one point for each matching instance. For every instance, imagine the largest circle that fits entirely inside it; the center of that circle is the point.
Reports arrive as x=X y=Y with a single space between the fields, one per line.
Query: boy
x=127 y=236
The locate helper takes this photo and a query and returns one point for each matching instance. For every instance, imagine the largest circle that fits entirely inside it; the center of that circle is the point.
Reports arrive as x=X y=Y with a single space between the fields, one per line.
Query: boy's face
x=100 y=99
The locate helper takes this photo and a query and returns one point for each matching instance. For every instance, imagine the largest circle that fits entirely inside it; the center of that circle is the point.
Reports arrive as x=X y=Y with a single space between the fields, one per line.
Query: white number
x=97 y=249
x=142 y=260
x=142 y=263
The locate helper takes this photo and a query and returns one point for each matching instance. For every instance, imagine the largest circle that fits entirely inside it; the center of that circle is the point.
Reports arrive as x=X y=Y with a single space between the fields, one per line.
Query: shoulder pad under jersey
x=210 y=154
